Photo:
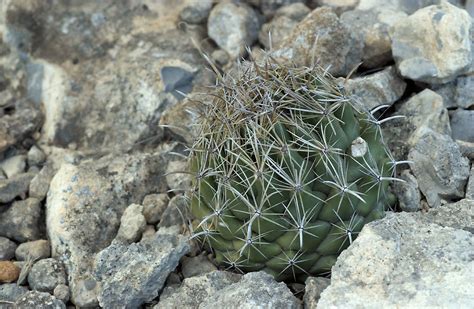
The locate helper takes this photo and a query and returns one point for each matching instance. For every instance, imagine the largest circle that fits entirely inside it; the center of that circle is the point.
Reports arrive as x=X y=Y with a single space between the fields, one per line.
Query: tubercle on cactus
x=277 y=183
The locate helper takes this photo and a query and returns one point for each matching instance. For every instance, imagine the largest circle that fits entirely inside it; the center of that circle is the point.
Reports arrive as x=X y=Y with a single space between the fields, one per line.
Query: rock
x=35 y=299
x=177 y=80
x=403 y=261
x=457 y=93
x=461 y=124
x=46 y=274
x=14 y=165
x=85 y=292
x=9 y=272
x=221 y=57
x=22 y=220
x=384 y=87
x=438 y=166
x=153 y=207
x=433 y=44
x=35 y=156
x=466 y=148
x=153 y=259
x=132 y=224
x=15 y=186
x=269 y=7
x=256 y=289
x=233 y=26
x=193 y=291
x=196 y=266
x=84 y=207
x=16 y=127
x=339 y=6
x=34 y=250
x=178 y=121
x=407 y=192
x=177 y=176
x=281 y=25
x=39 y=185
x=407 y=6
x=470 y=185
x=11 y=292
x=470 y=7
x=314 y=287
x=322 y=37
x=149 y=232
x=7 y=249
x=456 y=215
x=61 y=292
x=196 y=12
x=371 y=27
x=174 y=213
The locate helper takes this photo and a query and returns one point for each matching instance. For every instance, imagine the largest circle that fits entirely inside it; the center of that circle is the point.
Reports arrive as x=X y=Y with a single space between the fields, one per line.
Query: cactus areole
x=287 y=170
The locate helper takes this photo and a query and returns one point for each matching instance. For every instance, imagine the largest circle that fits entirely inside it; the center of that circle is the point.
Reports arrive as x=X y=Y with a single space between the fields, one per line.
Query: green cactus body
x=287 y=171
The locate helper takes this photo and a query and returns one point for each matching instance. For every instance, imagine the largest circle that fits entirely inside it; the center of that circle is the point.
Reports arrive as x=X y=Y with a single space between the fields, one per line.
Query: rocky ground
x=92 y=118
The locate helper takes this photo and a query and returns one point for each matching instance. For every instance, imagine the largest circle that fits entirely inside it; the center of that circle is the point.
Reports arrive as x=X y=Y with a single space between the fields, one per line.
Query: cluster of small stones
x=51 y=119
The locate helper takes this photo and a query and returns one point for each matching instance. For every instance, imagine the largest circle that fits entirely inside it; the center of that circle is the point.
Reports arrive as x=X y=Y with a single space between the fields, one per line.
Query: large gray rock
x=457 y=93
x=433 y=44
x=462 y=125
x=371 y=27
x=407 y=260
x=46 y=274
x=22 y=220
x=195 y=12
x=35 y=299
x=407 y=6
x=10 y=292
x=407 y=192
x=384 y=87
x=281 y=25
x=439 y=167
x=233 y=26
x=321 y=37
x=256 y=289
x=84 y=207
x=146 y=265
x=470 y=185
x=15 y=186
x=193 y=291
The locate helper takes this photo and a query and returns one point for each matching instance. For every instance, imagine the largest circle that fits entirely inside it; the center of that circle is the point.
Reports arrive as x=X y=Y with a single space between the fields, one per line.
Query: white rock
x=14 y=165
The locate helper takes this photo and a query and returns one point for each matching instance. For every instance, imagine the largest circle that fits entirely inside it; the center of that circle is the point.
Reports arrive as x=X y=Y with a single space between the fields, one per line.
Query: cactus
x=286 y=170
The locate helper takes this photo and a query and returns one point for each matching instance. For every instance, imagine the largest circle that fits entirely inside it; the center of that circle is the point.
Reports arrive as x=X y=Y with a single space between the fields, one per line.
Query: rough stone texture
x=84 y=207
x=15 y=186
x=9 y=272
x=371 y=27
x=7 y=249
x=125 y=46
x=466 y=148
x=35 y=156
x=438 y=166
x=46 y=274
x=11 y=292
x=177 y=177
x=462 y=125
x=470 y=185
x=314 y=287
x=270 y=7
x=433 y=44
x=281 y=25
x=14 y=165
x=407 y=6
x=195 y=12
x=39 y=185
x=61 y=292
x=257 y=289
x=407 y=192
x=153 y=207
x=233 y=26
x=145 y=265
x=132 y=224
x=196 y=266
x=22 y=220
x=34 y=250
x=35 y=299
x=178 y=121
x=457 y=93
x=174 y=213
x=384 y=87
x=456 y=215
x=404 y=260
x=322 y=37
x=193 y=291
x=339 y=6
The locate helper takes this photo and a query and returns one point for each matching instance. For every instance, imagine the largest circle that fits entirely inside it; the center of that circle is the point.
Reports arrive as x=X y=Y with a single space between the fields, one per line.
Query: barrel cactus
x=286 y=170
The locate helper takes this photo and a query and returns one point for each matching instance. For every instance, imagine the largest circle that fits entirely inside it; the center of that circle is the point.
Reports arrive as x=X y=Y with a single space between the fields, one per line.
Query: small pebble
x=7 y=249
x=46 y=274
x=9 y=272
x=14 y=165
x=61 y=292
x=36 y=250
x=153 y=207
x=35 y=156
